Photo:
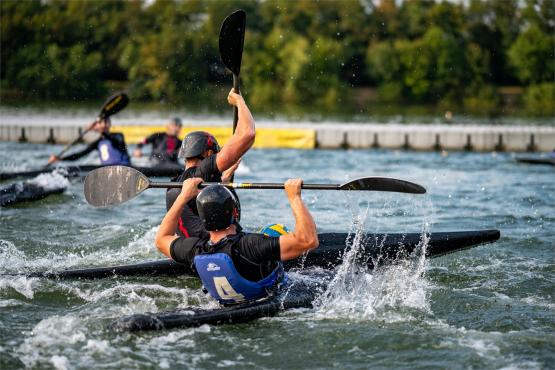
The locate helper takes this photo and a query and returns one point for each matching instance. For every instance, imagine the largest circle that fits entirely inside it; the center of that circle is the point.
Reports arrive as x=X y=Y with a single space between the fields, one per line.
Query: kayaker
x=235 y=266
x=204 y=159
x=165 y=145
x=111 y=146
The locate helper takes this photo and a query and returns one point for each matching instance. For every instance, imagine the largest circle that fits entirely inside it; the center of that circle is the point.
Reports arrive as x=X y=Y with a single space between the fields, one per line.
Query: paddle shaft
x=235 y=109
x=79 y=138
x=246 y=185
x=66 y=148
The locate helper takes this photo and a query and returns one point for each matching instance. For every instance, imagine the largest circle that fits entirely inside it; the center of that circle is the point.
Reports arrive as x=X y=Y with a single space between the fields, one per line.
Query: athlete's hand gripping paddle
x=113 y=185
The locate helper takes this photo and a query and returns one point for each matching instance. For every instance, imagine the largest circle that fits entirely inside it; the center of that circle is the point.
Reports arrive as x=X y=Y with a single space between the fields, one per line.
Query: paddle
x=113 y=105
x=117 y=184
x=232 y=38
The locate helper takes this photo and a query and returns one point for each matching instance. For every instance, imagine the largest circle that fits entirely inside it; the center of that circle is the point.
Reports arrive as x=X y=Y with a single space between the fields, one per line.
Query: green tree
x=532 y=55
x=62 y=73
x=538 y=99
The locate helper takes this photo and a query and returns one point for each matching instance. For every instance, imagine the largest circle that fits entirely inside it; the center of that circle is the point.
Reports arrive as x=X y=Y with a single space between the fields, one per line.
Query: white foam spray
x=390 y=292
x=51 y=181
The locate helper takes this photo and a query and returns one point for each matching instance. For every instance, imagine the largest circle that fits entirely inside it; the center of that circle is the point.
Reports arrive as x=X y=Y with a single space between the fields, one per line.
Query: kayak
x=383 y=247
x=297 y=296
x=20 y=192
x=73 y=171
x=302 y=296
x=529 y=160
x=31 y=190
x=38 y=188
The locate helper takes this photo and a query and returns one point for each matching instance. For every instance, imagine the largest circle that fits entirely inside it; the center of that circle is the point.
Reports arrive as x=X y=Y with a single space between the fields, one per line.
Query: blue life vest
x=110 y=155
x=224 y=283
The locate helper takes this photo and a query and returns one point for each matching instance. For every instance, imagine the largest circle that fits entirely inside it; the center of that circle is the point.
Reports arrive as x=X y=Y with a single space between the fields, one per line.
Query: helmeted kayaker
x=165 y=145
x=111 y=147
x=234 y=266
x=205 y=159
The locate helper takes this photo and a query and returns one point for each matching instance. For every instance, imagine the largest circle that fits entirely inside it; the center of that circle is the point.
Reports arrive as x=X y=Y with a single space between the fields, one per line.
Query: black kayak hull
x=385 y=247
x=154 y=171
x=299 y=296
x=20 y=192
x=528 y=160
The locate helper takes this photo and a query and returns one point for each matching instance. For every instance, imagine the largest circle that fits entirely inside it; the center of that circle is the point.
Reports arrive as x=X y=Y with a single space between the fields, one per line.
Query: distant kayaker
x=111 y=146
x=204 y=158
x=234 y=266
x=165 y=145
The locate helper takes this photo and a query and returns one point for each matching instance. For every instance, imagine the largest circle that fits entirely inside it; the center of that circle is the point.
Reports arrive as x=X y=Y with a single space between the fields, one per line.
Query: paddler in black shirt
x=204 y=159
x=233 y=266
x=111 y=146
x=165 y=145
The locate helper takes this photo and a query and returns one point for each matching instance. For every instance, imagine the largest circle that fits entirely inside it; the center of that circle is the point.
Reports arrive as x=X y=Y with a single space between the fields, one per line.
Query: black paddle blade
x=114 y=104
x=383 y=184
x=113 y=185
x=232 y=37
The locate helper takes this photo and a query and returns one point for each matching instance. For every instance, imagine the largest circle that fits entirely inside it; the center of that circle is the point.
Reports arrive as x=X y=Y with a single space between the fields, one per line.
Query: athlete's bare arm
x=242 y=139
x=304 y=237
x=166 y=231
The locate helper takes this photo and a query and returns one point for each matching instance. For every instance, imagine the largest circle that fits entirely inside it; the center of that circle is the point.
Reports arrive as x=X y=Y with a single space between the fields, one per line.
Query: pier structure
x=423 y=137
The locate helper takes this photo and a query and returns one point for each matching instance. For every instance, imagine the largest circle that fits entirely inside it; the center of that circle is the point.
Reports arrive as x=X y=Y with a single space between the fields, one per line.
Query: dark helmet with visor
x=196 y=143
x=217 y=207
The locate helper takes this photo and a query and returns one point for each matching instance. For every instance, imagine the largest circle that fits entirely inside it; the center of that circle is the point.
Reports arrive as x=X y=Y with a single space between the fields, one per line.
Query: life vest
x=223 y=282
x=109 y=155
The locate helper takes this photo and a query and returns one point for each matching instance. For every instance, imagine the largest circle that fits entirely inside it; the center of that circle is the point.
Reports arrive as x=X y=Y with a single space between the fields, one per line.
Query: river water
x=488 y=307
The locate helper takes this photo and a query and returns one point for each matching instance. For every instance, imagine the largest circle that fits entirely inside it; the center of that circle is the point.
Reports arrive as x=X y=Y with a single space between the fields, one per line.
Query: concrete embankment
x=331 y=136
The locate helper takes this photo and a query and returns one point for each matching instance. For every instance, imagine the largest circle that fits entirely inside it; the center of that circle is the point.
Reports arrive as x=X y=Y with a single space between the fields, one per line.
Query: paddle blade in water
x=114 y=104
x=113 y=185
x=383 y=184
x=232 y=37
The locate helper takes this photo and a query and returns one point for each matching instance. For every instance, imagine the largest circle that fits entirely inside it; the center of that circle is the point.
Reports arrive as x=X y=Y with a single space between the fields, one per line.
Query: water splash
x=390 y=292
x=49 y=338
x=243 y=169
x=51 y=181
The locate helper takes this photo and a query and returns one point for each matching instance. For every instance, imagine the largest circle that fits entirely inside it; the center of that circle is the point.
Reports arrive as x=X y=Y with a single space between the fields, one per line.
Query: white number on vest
x=225 y=290
x=104 y=153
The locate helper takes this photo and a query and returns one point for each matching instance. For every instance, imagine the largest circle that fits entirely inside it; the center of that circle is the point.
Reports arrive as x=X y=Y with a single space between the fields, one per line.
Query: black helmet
x=196 y=143
x=176 y=121
x=217 y=207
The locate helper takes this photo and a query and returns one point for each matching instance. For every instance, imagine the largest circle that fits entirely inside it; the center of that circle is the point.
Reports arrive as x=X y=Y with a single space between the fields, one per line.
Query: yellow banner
x=291 y=138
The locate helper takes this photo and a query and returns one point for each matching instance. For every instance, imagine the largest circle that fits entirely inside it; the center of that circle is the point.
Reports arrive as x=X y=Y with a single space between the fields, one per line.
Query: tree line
x=305 y=52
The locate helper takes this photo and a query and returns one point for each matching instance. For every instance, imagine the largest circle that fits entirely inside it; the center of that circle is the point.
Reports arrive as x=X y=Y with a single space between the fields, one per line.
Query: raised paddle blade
x=113 y=105
x=113 y=185
x=383 y=184
x=232 y=37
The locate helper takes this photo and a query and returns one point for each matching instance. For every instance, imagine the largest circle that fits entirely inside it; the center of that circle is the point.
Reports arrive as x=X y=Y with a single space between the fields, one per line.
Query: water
x=488 y=307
